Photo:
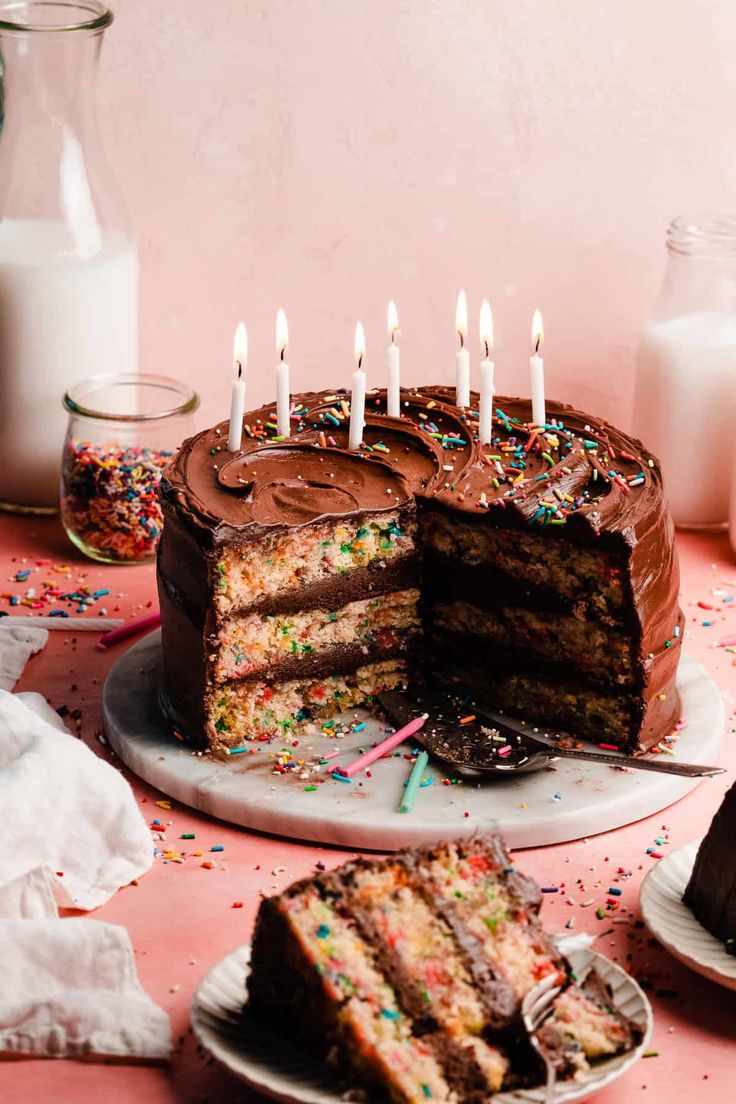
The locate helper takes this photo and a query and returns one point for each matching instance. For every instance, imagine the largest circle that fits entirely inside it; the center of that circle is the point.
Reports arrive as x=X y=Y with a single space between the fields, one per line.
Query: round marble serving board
x=363 y=814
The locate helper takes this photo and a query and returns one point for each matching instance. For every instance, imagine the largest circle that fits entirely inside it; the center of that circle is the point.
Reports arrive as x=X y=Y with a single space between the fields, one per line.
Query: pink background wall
x=326 y=155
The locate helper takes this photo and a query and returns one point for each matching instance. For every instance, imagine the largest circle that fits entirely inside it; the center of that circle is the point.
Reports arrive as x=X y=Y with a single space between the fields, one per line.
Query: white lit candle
x=487 y=370
x=462 y=358
x=237 y=398
x=393 y=388
x=283 y=393
x=357 y=397
x=536 y=365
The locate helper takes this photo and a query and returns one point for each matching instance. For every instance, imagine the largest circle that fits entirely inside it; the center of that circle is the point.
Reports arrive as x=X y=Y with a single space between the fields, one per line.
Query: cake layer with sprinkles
x=409 y=974
x=537 y=572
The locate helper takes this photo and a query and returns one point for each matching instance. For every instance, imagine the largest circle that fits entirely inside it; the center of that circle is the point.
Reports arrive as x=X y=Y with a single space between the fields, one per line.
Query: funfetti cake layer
x=288 y=643
x=259 y=709
x=544 y=562
x=409 y=972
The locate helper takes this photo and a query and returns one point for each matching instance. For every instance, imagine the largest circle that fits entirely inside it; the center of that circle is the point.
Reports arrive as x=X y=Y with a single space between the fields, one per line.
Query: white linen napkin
x=64 y=808
x=68 y=988
x=17 y=644
x=31 y=896
x=72 y=835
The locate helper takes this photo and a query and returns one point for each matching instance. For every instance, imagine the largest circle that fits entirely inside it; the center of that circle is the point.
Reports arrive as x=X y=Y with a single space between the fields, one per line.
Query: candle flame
x=537 y=330
x=359 y=345
x=486 y=326
x=282 y=333
x=240 y=349
x=393 y=322
x=461 y=317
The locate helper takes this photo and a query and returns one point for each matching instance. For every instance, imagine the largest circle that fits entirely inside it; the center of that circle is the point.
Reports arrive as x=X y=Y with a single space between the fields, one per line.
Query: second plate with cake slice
x=403 y=978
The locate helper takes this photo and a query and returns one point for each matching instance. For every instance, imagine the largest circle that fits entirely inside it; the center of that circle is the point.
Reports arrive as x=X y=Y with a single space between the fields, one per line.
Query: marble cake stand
x=363 y=814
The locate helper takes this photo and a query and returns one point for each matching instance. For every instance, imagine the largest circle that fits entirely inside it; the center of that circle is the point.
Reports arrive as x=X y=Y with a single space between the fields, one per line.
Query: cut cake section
x=305 y=607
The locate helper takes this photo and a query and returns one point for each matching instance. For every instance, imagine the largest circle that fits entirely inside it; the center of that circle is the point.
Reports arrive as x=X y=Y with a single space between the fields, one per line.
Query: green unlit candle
x=412 y=785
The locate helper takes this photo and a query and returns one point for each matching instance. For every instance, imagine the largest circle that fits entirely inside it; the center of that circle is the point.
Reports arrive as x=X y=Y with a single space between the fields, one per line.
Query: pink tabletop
x=184 y=916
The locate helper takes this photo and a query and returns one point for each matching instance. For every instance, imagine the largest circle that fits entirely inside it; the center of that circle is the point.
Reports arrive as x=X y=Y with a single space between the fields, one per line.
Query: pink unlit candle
x=383 y=748
x=141 y=623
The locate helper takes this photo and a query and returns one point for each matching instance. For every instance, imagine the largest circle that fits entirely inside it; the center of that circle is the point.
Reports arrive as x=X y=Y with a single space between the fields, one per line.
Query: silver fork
x=535 y=1009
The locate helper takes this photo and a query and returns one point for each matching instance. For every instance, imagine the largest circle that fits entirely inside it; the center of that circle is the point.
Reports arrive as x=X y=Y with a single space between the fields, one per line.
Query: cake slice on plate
x=408 y=973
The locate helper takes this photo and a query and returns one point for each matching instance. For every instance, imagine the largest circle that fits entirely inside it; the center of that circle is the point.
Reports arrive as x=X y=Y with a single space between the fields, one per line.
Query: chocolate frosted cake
x=298 y=579
x=711 y=891
x=408 y=973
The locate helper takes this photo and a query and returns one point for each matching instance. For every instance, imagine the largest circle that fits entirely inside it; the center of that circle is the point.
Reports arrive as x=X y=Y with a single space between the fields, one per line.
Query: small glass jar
x=685 y=397
x=122 y=431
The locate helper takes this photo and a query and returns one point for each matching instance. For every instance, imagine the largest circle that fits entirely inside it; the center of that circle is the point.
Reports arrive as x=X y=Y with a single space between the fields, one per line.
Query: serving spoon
x=470 y=737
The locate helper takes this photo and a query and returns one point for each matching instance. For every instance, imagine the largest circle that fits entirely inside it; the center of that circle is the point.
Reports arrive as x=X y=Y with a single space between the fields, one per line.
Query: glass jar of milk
x=685 y=396
x=68 y=263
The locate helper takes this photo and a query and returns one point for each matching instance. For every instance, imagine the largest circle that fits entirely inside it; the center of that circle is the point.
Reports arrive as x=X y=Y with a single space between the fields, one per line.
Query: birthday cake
x=408 y=974
x=298 y=578
x=711 y=891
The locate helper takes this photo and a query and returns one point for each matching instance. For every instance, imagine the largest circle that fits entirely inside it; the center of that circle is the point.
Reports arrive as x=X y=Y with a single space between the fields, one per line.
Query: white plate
x=272 y=1065
x=675 y=926
x=575 y=799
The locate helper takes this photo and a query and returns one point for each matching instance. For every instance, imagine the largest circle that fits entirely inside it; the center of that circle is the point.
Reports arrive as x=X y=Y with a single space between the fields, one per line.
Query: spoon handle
x=664 y=766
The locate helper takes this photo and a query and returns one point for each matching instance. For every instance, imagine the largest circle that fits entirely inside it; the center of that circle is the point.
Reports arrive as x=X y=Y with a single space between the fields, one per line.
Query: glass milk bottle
x=685 y=396
x=68 y=263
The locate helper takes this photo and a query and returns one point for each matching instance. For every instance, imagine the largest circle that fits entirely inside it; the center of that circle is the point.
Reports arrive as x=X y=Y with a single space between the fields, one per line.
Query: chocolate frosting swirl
x=297 y=484
x=578 y=473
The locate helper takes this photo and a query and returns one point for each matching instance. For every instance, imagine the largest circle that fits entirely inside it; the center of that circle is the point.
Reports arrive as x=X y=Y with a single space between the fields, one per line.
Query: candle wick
x=240 y=369
x=283 y=350
x=536 y=347
x=486 y=345
x=462 y=339
x=360 y=362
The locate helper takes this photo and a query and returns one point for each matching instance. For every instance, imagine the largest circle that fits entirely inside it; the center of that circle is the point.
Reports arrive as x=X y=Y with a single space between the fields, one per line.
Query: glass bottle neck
x=52 y=165
x=49 y=79
x=700 y=275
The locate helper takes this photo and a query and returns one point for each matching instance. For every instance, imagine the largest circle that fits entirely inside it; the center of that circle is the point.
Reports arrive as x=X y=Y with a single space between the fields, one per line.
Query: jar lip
x=99 y=16
x=703 y=234
x=187 y=404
